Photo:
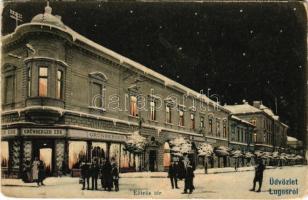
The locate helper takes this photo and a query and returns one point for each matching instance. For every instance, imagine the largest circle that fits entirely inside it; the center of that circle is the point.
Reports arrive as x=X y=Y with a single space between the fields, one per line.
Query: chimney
x=257 y=104
x=245 y=102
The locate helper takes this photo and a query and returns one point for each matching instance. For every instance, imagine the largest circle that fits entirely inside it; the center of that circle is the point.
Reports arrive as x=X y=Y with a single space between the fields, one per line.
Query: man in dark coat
x=189 y=176
x=259 y=169
x=173 y=175
x=94 y=174
x=42 y=172
x=85 y=175
x=115 y=174
x=106 y=175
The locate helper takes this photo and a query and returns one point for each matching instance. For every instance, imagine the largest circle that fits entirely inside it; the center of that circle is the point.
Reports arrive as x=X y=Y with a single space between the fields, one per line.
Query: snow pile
x=236 y=154
x=180 y=146
x=248 y=155
x=135 y=143
x=205 y=150
x=222 y=151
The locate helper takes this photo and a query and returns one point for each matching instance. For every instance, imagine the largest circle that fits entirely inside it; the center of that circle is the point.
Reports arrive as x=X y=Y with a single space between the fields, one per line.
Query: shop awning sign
x=43 y=132
x=9 y=133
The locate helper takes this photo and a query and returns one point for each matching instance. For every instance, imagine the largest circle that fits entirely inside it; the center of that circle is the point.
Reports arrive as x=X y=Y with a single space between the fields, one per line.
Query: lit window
x=192 y=121
x=153 y=110
x=181 y=120
x=133 y=106
x=77 y=153
x=59 y=84
x=43 y=81
x=4 y=153
x=168 y=114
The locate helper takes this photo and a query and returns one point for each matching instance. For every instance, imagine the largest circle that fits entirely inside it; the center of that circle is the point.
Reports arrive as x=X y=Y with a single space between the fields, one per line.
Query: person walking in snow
x=115 y=174
x=173 y=175
x=259 y=169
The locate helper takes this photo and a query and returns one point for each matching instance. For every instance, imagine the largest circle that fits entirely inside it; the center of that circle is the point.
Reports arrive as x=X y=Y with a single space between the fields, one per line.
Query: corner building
x=64 y=95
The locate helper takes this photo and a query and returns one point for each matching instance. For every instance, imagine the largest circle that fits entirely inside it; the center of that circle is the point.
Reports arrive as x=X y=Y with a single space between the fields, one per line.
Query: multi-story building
x=64 y=96
x=266 y=138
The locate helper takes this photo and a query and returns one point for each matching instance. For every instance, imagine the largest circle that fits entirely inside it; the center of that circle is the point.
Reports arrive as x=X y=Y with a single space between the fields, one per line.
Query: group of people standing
x=184 y=169
x=104 y=169
x=34 y=172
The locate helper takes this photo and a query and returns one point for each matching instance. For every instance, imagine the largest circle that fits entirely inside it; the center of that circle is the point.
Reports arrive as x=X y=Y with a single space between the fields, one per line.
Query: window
x=238 y=134
x=153 y=110
x=9 y=89
x=192 y=121
x=4 y=153
x=133 y=106
x=29 y=82
x=77 y=153
x=201 y=122
x=98 y=95
x=181 y=121
x=59 y=92
x=224 y=131
x=211 y=125
x=218 y=127
x=168 y=114
x=255 y=137
x=43 y=81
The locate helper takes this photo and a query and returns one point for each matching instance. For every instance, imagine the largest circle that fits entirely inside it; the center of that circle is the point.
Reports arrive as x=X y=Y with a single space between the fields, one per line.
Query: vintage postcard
x=154 y=99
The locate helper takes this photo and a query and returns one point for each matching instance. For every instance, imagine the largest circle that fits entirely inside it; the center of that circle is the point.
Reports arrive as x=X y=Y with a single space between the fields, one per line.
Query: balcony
x=44 y=110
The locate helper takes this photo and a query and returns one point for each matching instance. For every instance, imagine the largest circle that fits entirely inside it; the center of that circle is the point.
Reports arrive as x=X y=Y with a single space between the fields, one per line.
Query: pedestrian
x=115 y=174
x=106 y=173
x=85 y=175
x=35 y=170
x=181 y=169
x=259 y=169
x=94 y=173
x=42 y=172
x=173 y=175
x=189 y=176
x=235 y=164
x=26 y=173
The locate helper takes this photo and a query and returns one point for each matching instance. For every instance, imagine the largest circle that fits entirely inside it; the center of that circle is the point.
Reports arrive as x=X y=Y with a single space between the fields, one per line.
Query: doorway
x=152 y=160
x=46 y=157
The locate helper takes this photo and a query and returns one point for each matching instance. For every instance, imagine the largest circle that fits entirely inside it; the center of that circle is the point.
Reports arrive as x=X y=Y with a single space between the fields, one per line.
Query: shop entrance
x=152 y=160
x=46 y=157
x=43 y=149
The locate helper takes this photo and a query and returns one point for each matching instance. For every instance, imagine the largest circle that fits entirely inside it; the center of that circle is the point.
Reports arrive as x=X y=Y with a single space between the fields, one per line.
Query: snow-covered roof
x=267 y=110
x=241 y=120
x=242 y=109
x=47 y=19
x=291 y=139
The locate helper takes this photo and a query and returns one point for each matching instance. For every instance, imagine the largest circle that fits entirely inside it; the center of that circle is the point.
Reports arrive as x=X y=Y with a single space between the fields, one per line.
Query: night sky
x=251 y=51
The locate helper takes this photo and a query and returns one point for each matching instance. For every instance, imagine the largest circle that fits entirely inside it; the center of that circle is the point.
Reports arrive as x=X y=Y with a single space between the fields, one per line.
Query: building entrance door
x=152 y=160
x=46 y=157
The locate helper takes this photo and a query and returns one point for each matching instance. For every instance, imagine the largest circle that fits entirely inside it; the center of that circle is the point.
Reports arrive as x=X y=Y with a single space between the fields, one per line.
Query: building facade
x=65 y=97
x=269 y=133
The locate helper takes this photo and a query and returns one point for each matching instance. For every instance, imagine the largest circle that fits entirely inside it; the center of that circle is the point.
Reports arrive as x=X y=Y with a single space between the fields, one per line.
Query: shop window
x=9 y=89
x=201 y=122
x=77 y=153
x=168 y=114
x=181 y=119
x=167 y=155
x=124 y=158
x=114 y=152
x=98 y=150
x=43 y=81
x=59 y=93
x=153 y=110
x=4 y=153
x=192 y=121
x=133 y=105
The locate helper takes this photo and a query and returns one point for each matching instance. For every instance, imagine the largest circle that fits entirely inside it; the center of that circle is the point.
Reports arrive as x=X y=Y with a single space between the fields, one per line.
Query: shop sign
x=96 y=135
x=43 y=132
x=9 y=133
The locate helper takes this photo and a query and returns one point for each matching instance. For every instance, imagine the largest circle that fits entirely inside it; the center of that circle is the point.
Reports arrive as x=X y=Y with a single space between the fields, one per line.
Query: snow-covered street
x=220 y=185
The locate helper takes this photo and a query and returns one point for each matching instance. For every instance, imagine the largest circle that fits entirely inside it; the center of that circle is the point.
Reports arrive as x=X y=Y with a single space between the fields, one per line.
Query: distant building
x=269 y=133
